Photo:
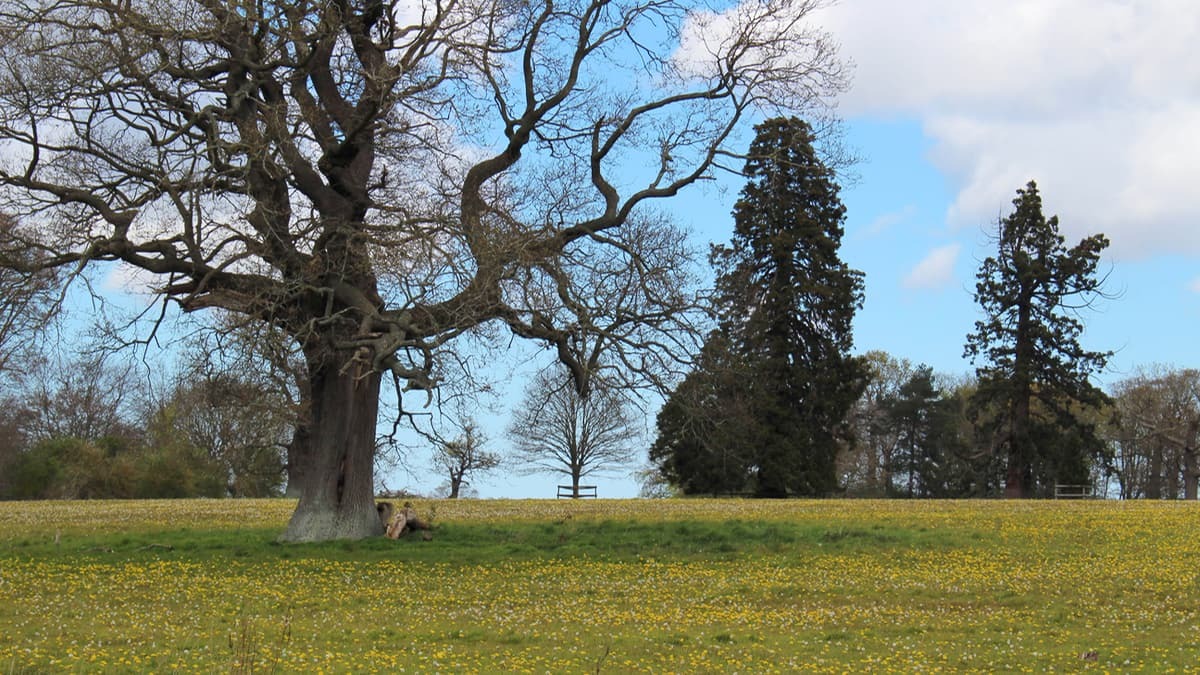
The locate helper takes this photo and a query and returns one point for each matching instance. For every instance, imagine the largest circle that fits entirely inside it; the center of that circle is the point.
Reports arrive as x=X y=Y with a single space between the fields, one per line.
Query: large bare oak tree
x=377 y=177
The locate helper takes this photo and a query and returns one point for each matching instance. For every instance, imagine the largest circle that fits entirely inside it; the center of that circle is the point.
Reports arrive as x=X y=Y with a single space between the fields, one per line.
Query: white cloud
x=886 y=221
x=1195 y=285
x=936 y=270
x=125 y=278
x=1098 y=100
x=772 y=46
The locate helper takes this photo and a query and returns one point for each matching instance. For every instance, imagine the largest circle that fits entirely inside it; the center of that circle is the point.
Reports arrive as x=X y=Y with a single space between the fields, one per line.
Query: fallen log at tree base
x=398 y=522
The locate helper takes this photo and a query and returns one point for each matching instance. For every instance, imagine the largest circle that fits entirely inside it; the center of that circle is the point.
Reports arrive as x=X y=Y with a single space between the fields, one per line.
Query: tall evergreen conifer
x=1034 y=383
x=786 y=302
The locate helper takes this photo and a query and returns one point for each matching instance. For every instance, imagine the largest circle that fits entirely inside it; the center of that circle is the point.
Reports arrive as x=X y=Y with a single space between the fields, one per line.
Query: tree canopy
x=1034 y=376
x=785 y=303
x=558 y=430
x=1156 y=433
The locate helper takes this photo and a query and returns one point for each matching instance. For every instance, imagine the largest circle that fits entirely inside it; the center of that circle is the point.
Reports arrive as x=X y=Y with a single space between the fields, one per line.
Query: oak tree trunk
x=336 y=455
x=296 y=457
x=1173 y=475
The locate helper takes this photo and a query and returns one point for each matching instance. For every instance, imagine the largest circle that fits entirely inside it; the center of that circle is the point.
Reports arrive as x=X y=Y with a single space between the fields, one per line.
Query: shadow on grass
x=476 y=543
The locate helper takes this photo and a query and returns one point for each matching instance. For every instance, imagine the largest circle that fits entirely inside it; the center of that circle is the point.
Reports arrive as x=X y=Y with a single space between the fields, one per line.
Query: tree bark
x=1017 y=484
x=337 y=455
x=1154 y=476
x=296 y=453
x=1013 y=483
x=1020 y=470
x=1190 y=474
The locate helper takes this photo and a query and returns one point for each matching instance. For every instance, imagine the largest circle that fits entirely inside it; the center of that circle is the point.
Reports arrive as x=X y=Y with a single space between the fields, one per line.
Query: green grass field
x=606 y=586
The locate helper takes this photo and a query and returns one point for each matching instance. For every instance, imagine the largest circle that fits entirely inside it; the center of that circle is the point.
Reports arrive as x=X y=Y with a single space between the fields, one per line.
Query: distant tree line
x=917 y=435
x=1153 y=434
x=91 y=430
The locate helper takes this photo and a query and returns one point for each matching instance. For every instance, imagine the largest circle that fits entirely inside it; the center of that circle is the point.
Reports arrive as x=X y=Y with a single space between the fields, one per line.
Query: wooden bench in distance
x=584 y=491
x=1074 y=491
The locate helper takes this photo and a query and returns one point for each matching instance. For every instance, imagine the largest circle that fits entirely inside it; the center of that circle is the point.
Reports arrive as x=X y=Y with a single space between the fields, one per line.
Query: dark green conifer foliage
x=931 y=457
x=913 y=414
x=700 y=447
x=1034 y=381
x=786 y=302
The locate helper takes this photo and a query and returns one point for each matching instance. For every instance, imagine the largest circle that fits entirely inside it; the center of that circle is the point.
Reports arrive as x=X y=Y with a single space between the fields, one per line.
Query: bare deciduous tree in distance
x=87 y=398
x=1156 y=436
x=242 y=425
x=866 y=466
x=557 y=430
x=462 y=457
x=27 y=297
x=259 y=353
x=376 y=178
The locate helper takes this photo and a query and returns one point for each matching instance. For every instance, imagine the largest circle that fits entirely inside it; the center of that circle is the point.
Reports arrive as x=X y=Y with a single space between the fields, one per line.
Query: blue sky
x=955 y=104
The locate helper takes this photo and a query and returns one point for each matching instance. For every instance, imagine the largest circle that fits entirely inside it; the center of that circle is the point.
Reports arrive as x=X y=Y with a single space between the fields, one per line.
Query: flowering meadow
x=620 y=586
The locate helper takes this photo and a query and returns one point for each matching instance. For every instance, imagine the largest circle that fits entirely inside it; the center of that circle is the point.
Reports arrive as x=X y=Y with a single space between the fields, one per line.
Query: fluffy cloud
x=123 y=278
x=1098 y=100
x=936 y=270
x=887 y=221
